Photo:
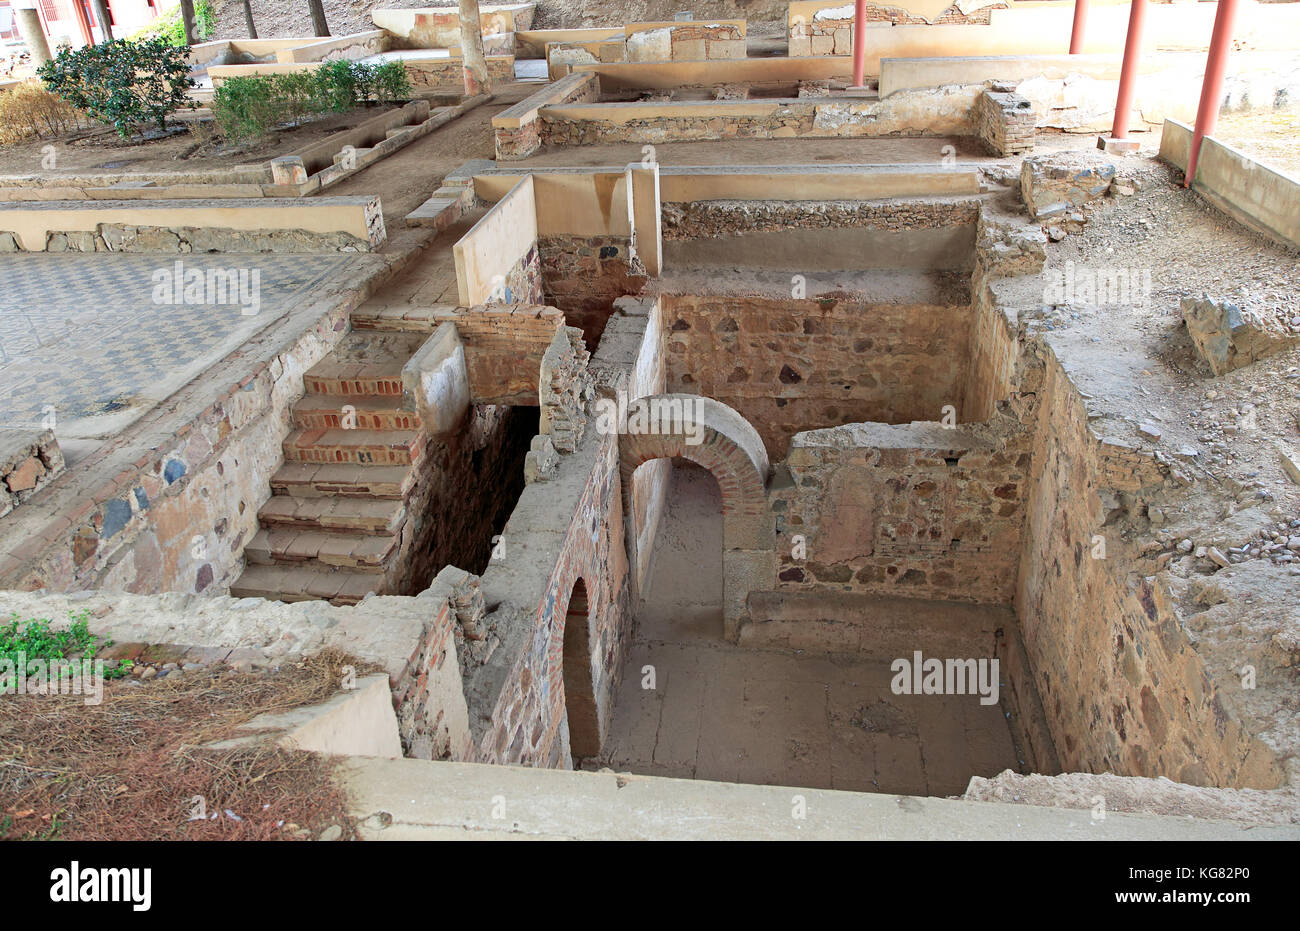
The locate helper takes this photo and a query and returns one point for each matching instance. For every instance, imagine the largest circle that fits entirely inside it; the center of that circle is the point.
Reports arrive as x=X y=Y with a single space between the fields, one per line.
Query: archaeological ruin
x=893 y=408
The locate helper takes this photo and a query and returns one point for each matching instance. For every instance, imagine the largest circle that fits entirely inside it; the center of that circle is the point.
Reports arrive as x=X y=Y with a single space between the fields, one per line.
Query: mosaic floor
x=91 y=342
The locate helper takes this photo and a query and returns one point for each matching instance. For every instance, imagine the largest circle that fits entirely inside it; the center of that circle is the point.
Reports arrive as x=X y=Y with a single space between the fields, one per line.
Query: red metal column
x=1128 y=72
x=1207 y=114
x=1080 y=23
x=859 y=41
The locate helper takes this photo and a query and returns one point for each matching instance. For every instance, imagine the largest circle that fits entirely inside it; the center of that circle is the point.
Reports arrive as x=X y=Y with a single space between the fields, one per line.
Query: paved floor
x=774 y=718
x=95 y=340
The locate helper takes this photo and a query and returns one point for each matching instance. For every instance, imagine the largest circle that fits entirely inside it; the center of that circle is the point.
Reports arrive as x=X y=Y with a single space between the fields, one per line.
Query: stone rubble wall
x=585 y=275
x=449 y=72
x=690 y=41
x=1122 y=686
x=942 y=111
x=29 y=459
x=915 y=510
x=178 y=518
x=512 y=143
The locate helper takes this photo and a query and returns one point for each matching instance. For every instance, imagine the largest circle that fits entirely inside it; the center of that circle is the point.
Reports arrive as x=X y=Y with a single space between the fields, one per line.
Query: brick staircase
x=339 y=523
x=336 y=525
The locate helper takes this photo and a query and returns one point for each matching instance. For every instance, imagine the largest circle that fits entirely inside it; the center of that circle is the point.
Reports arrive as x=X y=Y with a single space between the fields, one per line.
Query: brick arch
x=729 y=447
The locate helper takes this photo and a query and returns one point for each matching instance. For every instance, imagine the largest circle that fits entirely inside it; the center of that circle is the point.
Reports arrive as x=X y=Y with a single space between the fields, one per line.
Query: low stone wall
x=1246 y=190
x=449 y=72
x=945 y=111
x=336 y=224
x=1005 y=121
x=826 y=28
x=517 y=130
x=686 y=41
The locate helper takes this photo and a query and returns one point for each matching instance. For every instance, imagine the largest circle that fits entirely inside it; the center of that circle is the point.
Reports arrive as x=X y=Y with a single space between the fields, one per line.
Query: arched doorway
x=579 y=695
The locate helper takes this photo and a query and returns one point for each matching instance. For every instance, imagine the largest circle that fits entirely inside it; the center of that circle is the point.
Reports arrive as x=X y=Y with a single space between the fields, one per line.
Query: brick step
x=319 y=550
x=304 y=583
x=337 y=376
x=381 y=516
x=365 y=447
x=342 y=479
x=368 y=412
x=400 y=318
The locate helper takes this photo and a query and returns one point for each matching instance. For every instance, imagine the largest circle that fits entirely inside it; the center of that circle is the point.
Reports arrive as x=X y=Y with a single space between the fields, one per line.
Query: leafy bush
x=122 y=83
x=169 y=26
x=253 y=105
x=30 y=111
x=391 y=82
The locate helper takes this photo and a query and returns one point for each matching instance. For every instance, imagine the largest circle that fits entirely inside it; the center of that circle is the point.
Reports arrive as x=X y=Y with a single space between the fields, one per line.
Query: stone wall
x=584 y=275
x=524 y=137
x=792 y=365
x=449 y=72
x=830 y=31
x=689 y=41
x=1005 y=121
x=1122 y=686
x=517 y=695
x=916 y=510
x=942 y=111
x=177 y=519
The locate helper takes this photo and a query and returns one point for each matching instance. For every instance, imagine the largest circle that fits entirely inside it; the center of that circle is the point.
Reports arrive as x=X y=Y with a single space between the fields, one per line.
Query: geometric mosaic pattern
x=82 y=335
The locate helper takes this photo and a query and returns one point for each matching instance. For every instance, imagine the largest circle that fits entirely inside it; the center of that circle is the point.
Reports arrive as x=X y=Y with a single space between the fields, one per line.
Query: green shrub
x=339 y=84
x=122 y=83
x=253 y=105
x=391 y=82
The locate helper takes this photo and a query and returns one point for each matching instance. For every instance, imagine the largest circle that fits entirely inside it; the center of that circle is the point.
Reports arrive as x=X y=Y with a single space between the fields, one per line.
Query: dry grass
x=130 y=768
x=30 y=111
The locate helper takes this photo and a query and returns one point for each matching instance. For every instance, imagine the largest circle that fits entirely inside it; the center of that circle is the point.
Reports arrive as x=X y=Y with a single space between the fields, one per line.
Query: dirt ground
x=407 y=178
x=195 y=149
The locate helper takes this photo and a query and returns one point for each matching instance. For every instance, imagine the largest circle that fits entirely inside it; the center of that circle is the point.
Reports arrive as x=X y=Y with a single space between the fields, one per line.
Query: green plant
x=33 y=640
x=391 y=82
x=243 y=107
x=122 y=83
x=168 y=25
x=339 y=84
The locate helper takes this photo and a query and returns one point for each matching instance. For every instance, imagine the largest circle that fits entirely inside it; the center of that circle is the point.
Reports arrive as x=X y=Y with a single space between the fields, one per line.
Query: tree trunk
x=472 y=61
x=318 y=17
x=248 y=18
x=29 y=27
x=187 y=21
x=104 y=18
